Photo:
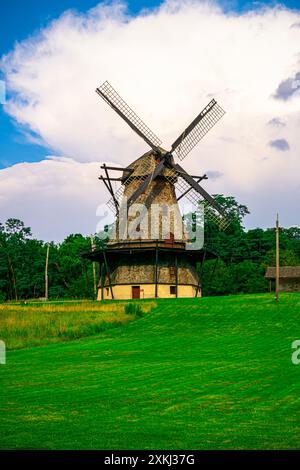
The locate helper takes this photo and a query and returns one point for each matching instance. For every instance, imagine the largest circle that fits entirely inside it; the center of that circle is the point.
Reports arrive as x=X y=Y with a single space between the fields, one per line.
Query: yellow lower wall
x=147 y=291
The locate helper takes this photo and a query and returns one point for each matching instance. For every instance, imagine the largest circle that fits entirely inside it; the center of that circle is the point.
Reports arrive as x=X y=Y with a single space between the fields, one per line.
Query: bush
x=134 y=309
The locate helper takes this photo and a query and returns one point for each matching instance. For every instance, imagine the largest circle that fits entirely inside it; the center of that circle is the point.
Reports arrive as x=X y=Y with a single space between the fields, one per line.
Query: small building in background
x=289 y=278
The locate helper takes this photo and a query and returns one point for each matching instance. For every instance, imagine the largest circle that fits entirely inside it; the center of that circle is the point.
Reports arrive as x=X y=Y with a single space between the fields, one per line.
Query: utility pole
x=46 y=273
x=277 y=258
x=94 y=267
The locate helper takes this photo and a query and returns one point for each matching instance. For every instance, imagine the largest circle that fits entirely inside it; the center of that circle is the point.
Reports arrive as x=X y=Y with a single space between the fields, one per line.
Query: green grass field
x=211 y=373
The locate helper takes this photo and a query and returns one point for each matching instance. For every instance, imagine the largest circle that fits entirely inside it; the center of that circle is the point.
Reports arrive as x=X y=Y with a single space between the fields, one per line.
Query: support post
x=277 y=258
x=46 y=273
x=201 y=273
x=156 y=271
x=102 y=280
x=94 y=267
x=176 y=275
x=108 y=275
x=111 y=189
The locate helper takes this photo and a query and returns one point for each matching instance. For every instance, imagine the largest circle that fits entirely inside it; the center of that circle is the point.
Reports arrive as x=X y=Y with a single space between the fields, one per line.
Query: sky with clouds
x=167 y=60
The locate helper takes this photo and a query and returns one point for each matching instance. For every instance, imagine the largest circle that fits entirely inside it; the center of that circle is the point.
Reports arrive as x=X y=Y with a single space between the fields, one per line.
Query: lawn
x=211 y=373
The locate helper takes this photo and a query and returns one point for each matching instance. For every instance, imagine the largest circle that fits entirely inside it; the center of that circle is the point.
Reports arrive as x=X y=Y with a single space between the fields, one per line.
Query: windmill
x=155 y=266
x=186 y=185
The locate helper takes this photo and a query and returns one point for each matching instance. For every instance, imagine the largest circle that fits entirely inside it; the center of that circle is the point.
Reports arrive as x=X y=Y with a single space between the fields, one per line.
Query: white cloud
x=167 y=64
x=55 y=197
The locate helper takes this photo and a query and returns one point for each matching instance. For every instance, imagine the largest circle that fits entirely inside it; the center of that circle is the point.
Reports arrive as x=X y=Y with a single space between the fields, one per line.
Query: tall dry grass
x=27 y=325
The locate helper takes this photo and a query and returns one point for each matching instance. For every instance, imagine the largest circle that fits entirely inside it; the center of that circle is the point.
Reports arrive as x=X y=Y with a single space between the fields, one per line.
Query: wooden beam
x=46 y=273
x=193 y=124
x=176 y=275
x=132 y=115
x=93 y=247
x=201 y=273
x=156 y=271
x=198 y=188
x=111 y=189
x=102 y=279
x=108 y=275
x=129 y=170
x=109 y=179
x=143 y=186
x=277 y=258
x=104 y=181
x=200 y=178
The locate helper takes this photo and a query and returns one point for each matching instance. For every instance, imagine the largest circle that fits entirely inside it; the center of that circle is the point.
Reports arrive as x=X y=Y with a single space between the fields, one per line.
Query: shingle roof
x=284 y=271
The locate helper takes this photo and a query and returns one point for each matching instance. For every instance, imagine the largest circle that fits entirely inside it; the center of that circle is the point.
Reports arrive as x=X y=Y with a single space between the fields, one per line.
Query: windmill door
x=136 y=292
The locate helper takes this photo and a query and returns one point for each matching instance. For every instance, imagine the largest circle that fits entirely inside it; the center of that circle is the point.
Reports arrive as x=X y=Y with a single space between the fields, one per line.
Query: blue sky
x=20 y=19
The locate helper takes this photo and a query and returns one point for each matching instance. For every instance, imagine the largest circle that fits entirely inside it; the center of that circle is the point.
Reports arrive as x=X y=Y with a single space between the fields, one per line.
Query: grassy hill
x=211 y=373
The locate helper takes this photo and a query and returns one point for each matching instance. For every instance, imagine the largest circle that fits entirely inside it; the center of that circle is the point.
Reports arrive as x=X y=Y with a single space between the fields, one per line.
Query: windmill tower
x=150 y=254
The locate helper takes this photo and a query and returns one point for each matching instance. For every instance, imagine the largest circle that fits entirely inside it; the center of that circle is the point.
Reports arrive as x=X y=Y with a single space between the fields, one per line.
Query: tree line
x=243 y=256
x=22 y=265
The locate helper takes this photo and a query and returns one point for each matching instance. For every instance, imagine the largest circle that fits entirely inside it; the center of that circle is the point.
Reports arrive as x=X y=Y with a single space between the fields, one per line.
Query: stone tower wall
x=162 y=218
x=140 y=271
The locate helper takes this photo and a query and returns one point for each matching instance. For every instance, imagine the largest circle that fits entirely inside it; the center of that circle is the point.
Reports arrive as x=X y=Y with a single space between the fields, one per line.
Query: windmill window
x=173 y=290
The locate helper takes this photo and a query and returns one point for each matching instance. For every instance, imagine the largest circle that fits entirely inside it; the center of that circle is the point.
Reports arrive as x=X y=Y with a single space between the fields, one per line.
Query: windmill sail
x=159 y=163
x=109 y=94
x=195 y=132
